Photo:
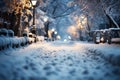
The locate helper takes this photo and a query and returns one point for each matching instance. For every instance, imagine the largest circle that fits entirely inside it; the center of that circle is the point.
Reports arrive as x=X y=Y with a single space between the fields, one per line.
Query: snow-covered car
x=2 y=43
x=48 y=39
x=5 y=42
x=101 y=36
x=10 y=33
x=15 y=41
x=29 y=37
x=7 y=39
x=40 y=38
x=18 y=41
x=23 y=41
x=106 y=35
x=113 y=35
x=96 y=36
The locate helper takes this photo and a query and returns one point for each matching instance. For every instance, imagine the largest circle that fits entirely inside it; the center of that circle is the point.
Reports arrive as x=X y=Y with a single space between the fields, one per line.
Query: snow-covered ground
x=61 y=61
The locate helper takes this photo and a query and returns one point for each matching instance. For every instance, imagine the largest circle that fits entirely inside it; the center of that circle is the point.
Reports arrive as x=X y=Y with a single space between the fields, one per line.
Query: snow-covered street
x=61 y=61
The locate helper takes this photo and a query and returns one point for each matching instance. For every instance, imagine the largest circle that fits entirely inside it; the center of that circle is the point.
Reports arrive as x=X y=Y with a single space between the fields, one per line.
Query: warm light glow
x=45 y=19
x=58 y=37
x=102 y=39
x=82 y=16
x=34 y=2
x=65 y=40
x=84 y=21
x=72 y=30
x=55 y=32
x=69 y=37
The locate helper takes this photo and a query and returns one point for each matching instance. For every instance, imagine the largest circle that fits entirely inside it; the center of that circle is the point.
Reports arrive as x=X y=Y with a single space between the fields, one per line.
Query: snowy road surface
x=60 y=61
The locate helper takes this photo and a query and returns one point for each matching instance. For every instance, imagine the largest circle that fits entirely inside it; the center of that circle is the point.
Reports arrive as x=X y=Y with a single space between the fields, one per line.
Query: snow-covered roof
x=3 y=30
x=114 y=28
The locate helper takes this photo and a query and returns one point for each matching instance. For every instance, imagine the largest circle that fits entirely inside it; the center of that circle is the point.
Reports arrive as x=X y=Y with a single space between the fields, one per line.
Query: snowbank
x=58 y=60
x=110 y=53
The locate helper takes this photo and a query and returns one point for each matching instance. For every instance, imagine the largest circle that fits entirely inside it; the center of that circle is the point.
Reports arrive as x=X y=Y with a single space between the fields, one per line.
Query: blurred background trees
x=68 y=17
x=14 y=14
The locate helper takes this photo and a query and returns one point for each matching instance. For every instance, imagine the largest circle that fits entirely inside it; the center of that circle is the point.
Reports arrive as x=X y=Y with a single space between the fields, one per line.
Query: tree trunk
x=19 y=27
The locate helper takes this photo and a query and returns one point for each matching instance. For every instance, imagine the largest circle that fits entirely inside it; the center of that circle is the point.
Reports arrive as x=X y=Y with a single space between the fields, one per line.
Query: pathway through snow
x=55 y=61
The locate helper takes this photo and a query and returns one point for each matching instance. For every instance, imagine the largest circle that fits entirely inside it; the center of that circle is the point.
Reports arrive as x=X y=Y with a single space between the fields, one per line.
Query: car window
x=10 y=34
x=25 y=35
x=30 y=35
x=115 y=33
x=3 y=33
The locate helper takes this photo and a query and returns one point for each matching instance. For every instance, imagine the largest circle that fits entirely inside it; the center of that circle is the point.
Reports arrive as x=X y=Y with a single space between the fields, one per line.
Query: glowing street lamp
x=55 y=32
x=69 y=37
x=45 y=19
x=65 y=40
x=58 y=37
x=33 y=4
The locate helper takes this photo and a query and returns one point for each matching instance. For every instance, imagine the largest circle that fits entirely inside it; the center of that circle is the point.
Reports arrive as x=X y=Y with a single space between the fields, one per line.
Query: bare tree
x=107 y=10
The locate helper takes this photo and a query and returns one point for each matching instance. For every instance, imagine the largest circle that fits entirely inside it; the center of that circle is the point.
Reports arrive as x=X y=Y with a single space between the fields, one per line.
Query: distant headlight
x=65 y=40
